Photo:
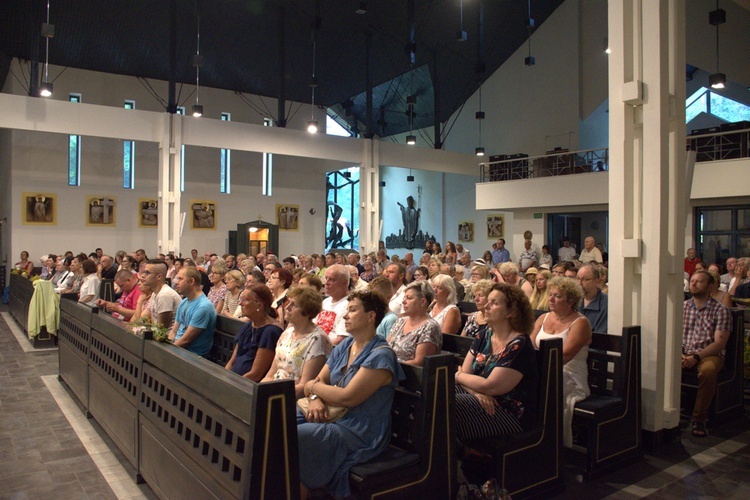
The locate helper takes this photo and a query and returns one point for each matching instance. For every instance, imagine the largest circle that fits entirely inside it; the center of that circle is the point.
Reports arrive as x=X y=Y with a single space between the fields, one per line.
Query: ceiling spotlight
x=411 y=140
x=45 y=89
x=312 y=126
x=197 y=110
x=717 y=80
x=409 y=178
x=479 y=151
x=362 y=8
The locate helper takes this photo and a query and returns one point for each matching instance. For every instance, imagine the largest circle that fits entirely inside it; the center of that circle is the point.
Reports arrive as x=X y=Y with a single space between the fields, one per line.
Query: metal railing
x=709 y=147
x=727 y=145
x=549 y=165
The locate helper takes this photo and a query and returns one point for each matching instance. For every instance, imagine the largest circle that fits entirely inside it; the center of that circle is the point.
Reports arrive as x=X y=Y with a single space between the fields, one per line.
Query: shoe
x=699 y=429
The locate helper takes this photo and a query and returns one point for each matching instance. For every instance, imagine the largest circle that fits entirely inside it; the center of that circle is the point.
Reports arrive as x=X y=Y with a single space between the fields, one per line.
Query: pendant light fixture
x=530 y=61
x=409 y=178
x=312 y=125
x=479 y=150
x=198 y=62
x=48 y=31
x=411 y=101
x=715 y=18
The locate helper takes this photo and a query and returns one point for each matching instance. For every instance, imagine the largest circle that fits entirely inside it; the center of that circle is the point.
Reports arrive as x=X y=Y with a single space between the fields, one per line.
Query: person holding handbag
x=361 y=375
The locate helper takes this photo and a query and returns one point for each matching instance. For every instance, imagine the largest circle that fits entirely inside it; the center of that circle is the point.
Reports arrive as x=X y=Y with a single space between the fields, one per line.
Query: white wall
x=529 y=109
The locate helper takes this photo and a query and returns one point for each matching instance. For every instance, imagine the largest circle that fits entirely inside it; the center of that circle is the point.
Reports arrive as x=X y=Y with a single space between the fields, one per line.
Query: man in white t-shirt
x=331 y=317
x=590 y=253
x=566 y=253
x=397 y=274
x=164 y=301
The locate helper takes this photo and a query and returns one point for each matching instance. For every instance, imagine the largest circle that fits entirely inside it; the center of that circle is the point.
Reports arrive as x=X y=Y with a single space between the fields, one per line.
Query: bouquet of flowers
x=159 y=332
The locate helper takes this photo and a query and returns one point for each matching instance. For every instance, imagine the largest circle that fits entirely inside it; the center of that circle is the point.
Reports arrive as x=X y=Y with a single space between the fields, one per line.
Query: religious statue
x=410 y=218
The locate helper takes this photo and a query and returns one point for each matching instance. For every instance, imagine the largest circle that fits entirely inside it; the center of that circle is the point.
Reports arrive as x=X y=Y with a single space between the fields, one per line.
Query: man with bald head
x=590 y=253
x=331 y=317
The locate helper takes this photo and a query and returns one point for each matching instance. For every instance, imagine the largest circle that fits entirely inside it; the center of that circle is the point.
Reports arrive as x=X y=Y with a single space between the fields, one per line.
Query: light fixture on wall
x=362 y=9
x=607 y=50
x=715 y=18
x=409 y=178
x=198 y=62
x=382 y=184
x=48 y=31
x=479 y=150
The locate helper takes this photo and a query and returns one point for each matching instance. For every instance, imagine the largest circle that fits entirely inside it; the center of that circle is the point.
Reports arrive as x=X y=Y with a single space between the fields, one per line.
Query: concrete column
x=170 y=151
x=647 y=191
x=369 y=196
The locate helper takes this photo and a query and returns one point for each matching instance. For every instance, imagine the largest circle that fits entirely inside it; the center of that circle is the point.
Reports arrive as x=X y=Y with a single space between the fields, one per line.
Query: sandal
x=699 y=429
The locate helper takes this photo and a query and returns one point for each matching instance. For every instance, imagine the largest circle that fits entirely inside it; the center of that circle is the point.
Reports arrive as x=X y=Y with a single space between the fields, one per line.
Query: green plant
x=159 y=332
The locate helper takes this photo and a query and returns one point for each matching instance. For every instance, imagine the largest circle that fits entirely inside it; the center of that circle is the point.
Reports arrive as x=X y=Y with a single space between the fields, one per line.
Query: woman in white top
x=303 y=348
x=564 y=321
x=90 y=286
x=444 y=309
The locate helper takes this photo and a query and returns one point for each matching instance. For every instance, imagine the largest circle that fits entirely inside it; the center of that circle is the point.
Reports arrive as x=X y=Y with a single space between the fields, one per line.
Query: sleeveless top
x=575 y=378
x=440 y=317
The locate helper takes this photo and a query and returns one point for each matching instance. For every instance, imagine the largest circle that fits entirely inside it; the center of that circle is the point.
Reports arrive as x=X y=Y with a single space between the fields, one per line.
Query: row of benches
x=192 y=429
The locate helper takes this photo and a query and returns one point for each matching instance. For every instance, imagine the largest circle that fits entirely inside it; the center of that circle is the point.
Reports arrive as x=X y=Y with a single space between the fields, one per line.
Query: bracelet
x=310 y=392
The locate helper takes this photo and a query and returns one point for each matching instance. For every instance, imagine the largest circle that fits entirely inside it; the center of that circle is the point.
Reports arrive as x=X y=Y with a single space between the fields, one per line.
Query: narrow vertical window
x=181 y=111
x=267 y=165
x=74 y=152
x=226 y=167
x=128 y=157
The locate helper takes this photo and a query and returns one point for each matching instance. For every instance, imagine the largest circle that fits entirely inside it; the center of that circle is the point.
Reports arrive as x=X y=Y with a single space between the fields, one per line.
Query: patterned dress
x=291 y=354
x=217 y=293
x=405 y=344
x=515 y=410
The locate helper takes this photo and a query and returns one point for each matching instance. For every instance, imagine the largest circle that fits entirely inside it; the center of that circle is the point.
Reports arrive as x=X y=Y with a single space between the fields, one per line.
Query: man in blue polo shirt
x=595 y=303
x=500 y=254
x=195 y=321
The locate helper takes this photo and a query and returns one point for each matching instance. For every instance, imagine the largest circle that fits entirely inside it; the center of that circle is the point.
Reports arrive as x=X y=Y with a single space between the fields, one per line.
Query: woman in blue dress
x=361 y=374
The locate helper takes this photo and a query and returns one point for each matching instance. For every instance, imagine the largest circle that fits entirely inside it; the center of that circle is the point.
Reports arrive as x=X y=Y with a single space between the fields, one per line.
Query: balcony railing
x=726 y=145
x=559 y=163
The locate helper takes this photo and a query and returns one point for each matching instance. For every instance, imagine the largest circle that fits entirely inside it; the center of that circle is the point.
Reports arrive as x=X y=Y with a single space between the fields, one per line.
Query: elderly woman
x=255 y=344
x=369 y=273
x=444 y=309
x=90 y=285
x=478 y=272
x=477 y=321
x=415 y=335
x=303 y=348
x=279 y=283
x=361 y=375
x=496 y=387
x=565 y=322
x=539 y=297
x=235 y=283
x=218 y=289
x=507 y=272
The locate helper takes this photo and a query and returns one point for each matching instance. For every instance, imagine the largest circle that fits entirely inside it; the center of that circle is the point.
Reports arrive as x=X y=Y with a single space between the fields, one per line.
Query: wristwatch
x=697 y=357
x=312 y=397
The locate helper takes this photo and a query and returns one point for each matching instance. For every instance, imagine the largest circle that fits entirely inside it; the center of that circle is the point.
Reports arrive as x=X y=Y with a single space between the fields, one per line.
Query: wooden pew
x=190 y=428
x=608 y=422
x=727 y=402
x=528 y=464
x=421 y=459
x=226 y=331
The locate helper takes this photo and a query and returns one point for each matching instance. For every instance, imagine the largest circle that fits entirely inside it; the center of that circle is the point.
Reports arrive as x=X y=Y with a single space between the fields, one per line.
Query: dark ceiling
x=240 y=45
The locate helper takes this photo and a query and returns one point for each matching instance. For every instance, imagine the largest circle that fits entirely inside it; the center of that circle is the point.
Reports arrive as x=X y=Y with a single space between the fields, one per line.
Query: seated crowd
x=339 y=325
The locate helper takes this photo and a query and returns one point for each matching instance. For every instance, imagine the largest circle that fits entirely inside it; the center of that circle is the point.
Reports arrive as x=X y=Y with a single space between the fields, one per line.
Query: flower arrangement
x=159 y=332
x=22 y=272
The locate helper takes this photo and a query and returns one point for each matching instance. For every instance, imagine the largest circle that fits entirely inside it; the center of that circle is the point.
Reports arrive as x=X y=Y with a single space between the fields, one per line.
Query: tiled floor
x=48 y=449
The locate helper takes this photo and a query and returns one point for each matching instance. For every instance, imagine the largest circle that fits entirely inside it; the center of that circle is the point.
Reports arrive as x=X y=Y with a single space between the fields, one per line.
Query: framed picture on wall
x=466 y=232
x=39 y=209
x=495 y=226
x=148 y=212
x=287 y=217
x=100 y=211
x=203 y=214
